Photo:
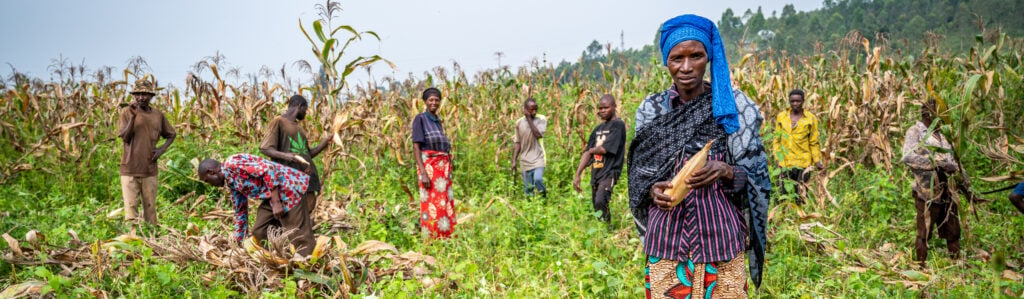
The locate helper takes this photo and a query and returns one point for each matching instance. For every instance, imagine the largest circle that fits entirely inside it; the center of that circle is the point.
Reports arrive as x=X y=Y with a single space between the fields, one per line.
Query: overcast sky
x=416 y=35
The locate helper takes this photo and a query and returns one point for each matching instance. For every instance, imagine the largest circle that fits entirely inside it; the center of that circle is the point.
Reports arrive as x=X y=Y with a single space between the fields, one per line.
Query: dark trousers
x=799 y=178
x=296 y=224
x=310 y=200
x=941 y=213
x=1018 y=203
x=601 y=194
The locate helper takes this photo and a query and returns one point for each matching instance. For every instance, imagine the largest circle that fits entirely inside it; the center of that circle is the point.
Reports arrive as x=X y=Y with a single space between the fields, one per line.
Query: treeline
x=907 y=26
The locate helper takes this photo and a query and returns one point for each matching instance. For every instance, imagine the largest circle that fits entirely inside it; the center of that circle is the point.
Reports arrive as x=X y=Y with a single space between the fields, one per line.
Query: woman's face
x=687 y=63
x=433 y=102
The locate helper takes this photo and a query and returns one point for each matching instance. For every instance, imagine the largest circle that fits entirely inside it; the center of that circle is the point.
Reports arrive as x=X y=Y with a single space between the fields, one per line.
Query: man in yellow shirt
x=797 y=147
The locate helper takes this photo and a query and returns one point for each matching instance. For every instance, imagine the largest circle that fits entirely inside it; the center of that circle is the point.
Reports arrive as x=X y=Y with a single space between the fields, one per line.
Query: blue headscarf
x=698 y=28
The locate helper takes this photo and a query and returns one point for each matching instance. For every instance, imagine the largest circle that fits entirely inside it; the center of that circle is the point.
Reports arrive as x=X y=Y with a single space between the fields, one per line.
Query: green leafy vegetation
x=853 y=238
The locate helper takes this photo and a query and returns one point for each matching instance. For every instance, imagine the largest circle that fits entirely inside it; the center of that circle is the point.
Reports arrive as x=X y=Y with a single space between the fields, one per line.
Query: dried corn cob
x=679 y=188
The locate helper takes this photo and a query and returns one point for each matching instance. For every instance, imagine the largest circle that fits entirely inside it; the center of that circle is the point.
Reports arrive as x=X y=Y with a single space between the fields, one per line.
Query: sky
x=415 y=35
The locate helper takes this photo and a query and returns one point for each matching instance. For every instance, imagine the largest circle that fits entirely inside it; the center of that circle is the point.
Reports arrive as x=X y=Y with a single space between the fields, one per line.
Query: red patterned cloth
x=437 y=208
x=253 y=177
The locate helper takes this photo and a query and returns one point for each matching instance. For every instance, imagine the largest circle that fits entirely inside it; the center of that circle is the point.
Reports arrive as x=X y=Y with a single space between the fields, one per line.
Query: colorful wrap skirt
x=437 y=206
x=686 y=280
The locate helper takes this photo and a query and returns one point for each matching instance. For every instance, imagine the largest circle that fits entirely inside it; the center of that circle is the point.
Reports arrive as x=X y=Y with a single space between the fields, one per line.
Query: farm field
x=854 y=237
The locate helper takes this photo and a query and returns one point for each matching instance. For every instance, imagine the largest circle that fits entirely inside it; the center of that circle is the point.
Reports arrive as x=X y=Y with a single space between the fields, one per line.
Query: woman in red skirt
x=433 y=168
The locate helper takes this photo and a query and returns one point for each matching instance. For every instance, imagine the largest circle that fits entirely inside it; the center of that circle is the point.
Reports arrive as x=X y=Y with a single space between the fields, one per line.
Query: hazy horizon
x=416 y=36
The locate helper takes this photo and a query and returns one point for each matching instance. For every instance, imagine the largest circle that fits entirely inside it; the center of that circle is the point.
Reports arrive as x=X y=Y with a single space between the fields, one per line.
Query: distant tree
x=756 y=21
x=593 y=51
x=729 y=23
x=788 y=11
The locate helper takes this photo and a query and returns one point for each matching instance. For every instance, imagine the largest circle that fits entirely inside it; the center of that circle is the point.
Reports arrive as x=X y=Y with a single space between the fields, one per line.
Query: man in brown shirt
x=528 y=148
x=285 y=142
x=140 y=127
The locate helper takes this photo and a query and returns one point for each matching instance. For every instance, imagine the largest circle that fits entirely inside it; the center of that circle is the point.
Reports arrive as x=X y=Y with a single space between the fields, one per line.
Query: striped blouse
x=706 y=227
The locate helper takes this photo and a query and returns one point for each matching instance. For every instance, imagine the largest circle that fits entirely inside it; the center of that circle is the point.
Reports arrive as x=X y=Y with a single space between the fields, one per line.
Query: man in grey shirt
x=528 y=151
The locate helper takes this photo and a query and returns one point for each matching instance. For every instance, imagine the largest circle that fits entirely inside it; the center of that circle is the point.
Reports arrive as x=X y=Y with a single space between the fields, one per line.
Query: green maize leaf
x=318 y=28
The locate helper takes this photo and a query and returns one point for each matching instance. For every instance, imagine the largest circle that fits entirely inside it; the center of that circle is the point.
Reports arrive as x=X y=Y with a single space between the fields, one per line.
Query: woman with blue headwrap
x=696 y=247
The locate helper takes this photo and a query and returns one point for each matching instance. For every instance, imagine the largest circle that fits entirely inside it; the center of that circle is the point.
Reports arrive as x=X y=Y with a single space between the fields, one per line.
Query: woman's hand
x=424 y=180
x=662 y=200
x=712 y=171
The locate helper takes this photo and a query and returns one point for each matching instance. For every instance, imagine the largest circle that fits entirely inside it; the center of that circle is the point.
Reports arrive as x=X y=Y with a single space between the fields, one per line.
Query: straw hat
x=144 y=86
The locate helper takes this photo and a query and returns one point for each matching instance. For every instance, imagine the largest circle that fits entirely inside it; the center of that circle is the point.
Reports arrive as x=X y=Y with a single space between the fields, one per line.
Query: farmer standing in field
x=279 y=188
x=696 y=249
x=285 y=142
x=604 y=154
x=432 y=150
x=528 y=151
x=798 y=147
x=140 y=126
x=926 y=152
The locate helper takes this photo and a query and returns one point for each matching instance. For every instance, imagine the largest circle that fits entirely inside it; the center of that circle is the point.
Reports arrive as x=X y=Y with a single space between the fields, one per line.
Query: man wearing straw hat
x=140 y=127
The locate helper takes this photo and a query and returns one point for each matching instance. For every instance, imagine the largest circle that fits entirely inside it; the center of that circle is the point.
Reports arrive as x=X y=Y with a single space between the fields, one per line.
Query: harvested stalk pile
x=332 y=268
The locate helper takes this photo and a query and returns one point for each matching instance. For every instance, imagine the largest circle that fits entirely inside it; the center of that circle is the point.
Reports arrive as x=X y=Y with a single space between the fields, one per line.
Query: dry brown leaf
x=323 y=244
x=98 y=294
x=74 y=236
x=24 y=289
x=218 y=214
x=415 y=257
x=810 y=216
x=371 y=246
x=465 y=217
x=1014 y=276
x=35 y=237
x=14 y=245
x=182 y=198
x=1013 y=265
x=982 y=255
x=339 y=245
x=115 y=213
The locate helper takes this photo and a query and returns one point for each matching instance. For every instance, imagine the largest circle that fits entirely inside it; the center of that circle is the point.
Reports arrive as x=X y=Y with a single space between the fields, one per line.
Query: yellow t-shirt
x=798 y=146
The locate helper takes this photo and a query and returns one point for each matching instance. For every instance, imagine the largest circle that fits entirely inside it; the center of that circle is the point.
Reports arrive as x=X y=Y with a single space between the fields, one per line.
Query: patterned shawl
x=650 y=151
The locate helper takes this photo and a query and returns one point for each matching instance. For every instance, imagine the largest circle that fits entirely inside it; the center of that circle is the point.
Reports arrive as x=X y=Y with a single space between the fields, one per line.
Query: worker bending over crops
x=528 y=150
x=604 y=154
x=798 y=147
x=280 y=190
x=140 y=127
x=285 y=142
x=935 y=203
x=695 y=241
